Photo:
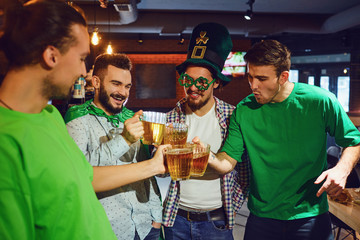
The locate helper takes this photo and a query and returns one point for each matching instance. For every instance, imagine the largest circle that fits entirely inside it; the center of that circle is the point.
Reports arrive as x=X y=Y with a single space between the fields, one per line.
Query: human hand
x=196 y=140
x=159 y=159
x=156 y=224
x=335 y=180
x=133 y=128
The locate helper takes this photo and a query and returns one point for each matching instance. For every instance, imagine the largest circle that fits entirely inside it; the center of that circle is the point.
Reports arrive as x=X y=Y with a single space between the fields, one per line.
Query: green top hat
x=210 y=45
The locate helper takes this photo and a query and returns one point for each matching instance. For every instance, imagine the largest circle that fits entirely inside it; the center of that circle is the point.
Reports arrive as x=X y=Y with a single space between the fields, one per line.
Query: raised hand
x=133 y=128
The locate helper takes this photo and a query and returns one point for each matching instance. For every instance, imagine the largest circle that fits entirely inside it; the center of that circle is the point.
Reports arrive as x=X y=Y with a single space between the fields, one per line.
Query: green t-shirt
x=286 y=143
x=45 y=181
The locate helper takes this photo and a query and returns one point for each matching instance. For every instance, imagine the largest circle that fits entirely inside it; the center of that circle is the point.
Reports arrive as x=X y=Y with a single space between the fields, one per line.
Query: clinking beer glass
x=175 y=133
x=154 y=124
x=201 y=154
x=179 y=161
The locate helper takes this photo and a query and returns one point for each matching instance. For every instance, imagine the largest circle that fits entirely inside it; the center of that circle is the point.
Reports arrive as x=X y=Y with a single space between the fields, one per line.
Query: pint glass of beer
x=179 y=160
x=154 y=124
x=175 y=133
x=200 y=159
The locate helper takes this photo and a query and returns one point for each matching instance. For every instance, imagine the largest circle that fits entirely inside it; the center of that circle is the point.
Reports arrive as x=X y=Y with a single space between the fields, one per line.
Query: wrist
x=126 y=139
x=344 y=167
x=212 y=157
x=154 y=167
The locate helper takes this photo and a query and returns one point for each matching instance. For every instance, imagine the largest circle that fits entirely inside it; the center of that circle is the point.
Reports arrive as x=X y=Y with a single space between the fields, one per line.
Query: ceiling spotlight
x=249 y=13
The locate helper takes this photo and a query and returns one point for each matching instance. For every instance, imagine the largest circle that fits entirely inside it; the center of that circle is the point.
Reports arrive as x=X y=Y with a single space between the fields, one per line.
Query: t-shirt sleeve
x=234 y=143
x=16 y=218
x=339 y=125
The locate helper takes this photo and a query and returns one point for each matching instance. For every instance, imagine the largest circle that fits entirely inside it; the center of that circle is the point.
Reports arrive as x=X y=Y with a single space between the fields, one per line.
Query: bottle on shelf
x=78 y=93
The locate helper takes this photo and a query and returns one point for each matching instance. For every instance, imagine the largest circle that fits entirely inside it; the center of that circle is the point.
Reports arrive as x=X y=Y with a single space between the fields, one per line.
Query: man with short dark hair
x=46 y=184
x=108 y=134
x=284 y=127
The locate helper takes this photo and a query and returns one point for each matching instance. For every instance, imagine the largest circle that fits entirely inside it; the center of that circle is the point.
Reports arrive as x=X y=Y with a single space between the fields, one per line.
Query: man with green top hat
x=108 y=134
x=204 y=207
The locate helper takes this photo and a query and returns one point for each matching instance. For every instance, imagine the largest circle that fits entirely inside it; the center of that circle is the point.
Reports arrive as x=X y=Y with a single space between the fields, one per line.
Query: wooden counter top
x=348 y=213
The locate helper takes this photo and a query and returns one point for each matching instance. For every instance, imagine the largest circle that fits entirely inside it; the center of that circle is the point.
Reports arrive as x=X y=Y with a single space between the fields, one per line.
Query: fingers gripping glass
x=201 y=83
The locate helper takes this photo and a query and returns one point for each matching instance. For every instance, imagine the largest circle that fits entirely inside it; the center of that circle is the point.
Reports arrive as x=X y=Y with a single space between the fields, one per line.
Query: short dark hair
x=31 y=27
x=118 y=60
x=270 y=52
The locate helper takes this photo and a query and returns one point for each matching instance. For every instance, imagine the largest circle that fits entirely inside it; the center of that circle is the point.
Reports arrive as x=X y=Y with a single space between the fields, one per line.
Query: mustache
x=118 y=96
x=196 y=92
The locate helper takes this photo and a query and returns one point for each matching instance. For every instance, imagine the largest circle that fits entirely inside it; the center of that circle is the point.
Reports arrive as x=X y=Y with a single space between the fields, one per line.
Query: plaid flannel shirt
x=234 y=185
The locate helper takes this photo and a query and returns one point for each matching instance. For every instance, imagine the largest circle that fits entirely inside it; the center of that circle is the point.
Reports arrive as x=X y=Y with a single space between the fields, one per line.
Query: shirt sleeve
x=16 y=217
x=234 y=143
x=155 y=205
x=155 y=201
x=98 y=154
x=339 y=125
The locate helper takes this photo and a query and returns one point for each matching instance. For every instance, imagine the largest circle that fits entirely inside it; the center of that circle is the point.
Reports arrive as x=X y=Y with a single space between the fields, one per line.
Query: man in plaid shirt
x=204 y=207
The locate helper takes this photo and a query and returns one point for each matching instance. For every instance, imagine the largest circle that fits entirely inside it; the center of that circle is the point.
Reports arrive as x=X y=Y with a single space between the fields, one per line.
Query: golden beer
x=153 y=133
x=179 y=161
x=176 y=133
x=200 y=160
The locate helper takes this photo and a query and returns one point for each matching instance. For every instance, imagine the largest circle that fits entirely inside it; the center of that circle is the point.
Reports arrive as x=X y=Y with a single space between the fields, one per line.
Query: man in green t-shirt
x=283 y=126
x=46 y=184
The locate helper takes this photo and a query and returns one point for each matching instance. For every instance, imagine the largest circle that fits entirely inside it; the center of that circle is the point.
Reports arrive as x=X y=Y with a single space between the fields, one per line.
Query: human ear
x=51 y=56
x=216 y=83
x=284 y=77
x=95 y=82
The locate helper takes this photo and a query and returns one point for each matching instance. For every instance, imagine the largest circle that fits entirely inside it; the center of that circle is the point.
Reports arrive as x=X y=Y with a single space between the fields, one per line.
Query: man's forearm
x=111 y=177
x=222 y=162
x=349 y=158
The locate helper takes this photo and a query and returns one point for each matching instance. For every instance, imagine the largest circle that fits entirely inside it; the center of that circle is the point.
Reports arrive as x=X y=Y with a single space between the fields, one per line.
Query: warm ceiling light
x=181 y=40
x=95 y=37
x=140 y=39
x=109 y=49
x=104 y=3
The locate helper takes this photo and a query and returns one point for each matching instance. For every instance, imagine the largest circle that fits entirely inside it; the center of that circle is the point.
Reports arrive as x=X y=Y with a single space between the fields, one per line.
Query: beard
x=104 y=99
x=52 y=91
x=196 y=106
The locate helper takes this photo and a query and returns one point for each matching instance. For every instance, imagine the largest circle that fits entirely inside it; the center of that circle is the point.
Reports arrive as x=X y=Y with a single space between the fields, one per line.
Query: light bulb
x=95 y=38
x=109 y=49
